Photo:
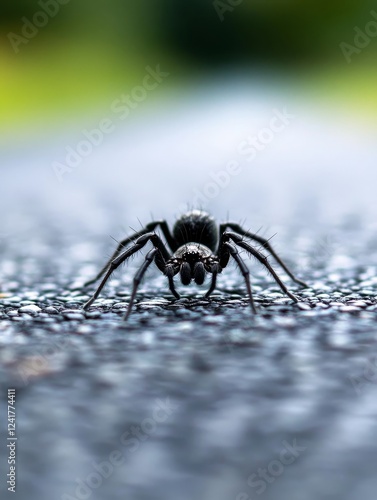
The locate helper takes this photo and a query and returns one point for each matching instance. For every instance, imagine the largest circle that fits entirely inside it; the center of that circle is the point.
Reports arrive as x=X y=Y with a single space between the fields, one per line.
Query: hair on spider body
x=197 y=246
x=198 y=227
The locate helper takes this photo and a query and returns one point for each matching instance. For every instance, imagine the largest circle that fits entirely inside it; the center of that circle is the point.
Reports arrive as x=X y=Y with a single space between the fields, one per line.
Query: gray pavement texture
x=191 y=399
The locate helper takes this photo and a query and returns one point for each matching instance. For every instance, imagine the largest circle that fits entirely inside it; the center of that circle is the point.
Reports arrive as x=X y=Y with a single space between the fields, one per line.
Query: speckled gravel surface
x=193 y=398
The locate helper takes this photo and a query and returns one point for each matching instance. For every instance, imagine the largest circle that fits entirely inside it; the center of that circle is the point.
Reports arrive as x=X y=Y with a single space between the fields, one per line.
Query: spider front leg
x=123 y=243
x=115 y=263
x=226 y=250
x=170 y=276
x=265 y=243
x=153 y=255
x=215 y=270
x=138 y=277
x=238 y=240
x=169 y=270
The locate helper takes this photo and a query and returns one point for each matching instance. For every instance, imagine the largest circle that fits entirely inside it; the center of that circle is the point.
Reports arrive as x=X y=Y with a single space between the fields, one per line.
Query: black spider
x=198 y=247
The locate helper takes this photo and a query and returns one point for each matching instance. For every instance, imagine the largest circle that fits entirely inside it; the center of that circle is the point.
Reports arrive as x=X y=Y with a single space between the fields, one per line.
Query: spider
x=197 y=247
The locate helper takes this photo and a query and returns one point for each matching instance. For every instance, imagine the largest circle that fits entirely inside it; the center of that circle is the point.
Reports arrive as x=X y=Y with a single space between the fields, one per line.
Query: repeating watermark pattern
x=31 y=27
x=362 y=38
x=223 y=6
x=260 y=480
x=131 y=440
x=122 y=107
x=367 y=376
x=249 y=148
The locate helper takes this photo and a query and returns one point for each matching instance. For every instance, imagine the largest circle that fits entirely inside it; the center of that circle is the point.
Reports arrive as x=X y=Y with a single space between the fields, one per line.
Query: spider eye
x=199 y=273
x=185 y=273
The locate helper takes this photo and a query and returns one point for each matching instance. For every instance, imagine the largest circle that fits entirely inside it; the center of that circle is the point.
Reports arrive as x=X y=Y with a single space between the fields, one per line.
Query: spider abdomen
x=196 y=226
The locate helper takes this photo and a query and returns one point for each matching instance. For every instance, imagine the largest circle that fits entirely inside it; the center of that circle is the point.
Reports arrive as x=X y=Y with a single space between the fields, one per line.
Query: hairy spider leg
x=147 y=229
x=215 y=270
x=244 y=270
x=265 y=243
x=138 y=277
x=139 y=244
x=238 y=240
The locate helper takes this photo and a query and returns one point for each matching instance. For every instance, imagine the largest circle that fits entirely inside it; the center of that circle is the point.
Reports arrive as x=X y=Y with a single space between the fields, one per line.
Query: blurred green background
x=92 y=50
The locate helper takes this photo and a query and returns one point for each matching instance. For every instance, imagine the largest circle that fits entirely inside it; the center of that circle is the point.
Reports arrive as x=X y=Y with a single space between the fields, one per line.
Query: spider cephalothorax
x=192 y=261
x=197 y=248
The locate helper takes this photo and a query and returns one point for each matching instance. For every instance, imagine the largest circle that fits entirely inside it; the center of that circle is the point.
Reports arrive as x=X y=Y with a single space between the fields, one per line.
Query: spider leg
x=170 y=272
x=138 y=277
x=262 y=259
x=122 y=244
x=168 y=236
x=215 y=271
x=244 y=270
x=139 y=244
x=265 y=243
x=172 y=288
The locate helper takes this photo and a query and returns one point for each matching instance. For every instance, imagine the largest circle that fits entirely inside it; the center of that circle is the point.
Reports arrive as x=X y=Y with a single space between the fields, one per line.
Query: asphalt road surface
x=192 y=399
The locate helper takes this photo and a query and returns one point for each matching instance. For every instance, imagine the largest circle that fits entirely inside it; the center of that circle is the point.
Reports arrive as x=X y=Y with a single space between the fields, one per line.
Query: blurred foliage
x=93 y=49
x=255 y=30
